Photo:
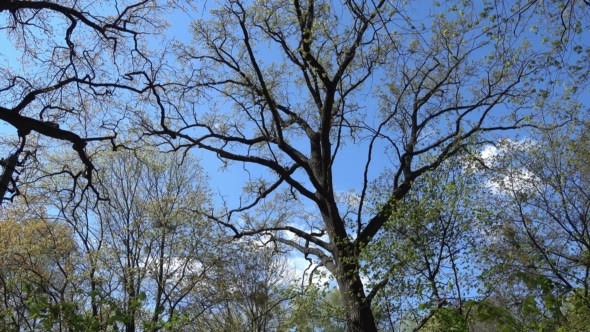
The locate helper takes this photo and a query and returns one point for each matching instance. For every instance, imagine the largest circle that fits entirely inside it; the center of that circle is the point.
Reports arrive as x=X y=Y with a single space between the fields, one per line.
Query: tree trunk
x=346 y=270
x=159 y=308
x=359 y=315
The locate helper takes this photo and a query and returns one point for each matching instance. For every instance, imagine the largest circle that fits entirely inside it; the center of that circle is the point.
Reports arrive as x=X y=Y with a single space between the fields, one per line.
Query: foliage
x=429 y=252
x=351 y=132
x=254 y=290
x=541 y=242
x=36 y=261
x=318 y=308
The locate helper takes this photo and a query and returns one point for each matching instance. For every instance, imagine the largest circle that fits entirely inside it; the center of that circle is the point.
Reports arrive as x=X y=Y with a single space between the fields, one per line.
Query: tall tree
x=299 y=87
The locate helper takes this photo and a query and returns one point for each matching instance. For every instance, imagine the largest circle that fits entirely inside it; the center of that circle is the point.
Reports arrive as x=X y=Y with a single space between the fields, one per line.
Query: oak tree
x=309 y=95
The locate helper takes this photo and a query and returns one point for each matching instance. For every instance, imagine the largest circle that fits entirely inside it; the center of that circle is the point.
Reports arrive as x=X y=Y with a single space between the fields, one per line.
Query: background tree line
x=429 y=160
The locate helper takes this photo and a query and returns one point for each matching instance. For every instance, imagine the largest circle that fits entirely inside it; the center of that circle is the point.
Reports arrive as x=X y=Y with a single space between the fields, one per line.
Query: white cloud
x=488 y=153
x=510 y=177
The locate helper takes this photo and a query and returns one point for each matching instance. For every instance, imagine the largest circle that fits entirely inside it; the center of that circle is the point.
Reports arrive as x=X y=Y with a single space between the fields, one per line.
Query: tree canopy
x=356 y=134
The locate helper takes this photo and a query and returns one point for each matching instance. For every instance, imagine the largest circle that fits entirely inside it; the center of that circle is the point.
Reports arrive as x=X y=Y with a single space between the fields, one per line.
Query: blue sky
x=8 y=59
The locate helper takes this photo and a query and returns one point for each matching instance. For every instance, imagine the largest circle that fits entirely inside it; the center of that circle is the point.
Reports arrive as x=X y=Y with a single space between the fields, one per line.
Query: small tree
x=145 y=254
x=37 y=263
x=427 y=259
x=542 y=241
x=253 y=290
